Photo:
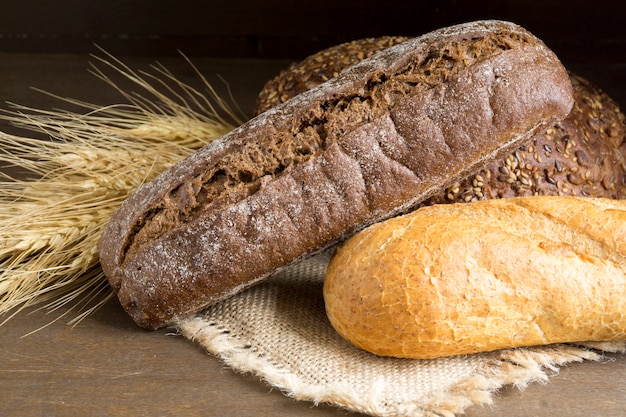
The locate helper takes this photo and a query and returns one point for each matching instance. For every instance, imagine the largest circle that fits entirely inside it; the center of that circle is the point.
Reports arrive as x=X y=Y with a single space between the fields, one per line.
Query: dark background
x=585 y=34
x=289 y=29
x=588 y=36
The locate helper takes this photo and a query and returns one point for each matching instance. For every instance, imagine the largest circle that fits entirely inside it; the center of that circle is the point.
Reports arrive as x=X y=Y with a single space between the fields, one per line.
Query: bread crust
x=319 y=68
x=367 y=145
x=455 y=279
x=584 y=154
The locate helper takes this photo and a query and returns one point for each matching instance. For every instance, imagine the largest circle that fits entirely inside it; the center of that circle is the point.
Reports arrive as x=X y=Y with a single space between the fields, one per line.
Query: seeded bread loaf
x=368 y=144
x=453 y=279
x=319 y=68
x=582 y=155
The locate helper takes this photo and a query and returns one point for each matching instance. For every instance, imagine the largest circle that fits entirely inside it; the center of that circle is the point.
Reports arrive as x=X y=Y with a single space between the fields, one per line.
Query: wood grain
x=106 y=366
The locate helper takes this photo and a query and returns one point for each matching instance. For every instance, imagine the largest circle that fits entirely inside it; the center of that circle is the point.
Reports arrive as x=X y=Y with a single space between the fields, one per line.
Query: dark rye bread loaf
x=318 y=68
x=368 y=144
x=583 y=155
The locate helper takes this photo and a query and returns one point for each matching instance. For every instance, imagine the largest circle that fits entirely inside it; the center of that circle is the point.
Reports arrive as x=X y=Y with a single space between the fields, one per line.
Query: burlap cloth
x=279 y=332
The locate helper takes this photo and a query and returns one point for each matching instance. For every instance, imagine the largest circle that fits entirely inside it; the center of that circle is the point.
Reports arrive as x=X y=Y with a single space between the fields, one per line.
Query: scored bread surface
x=364 y=146
x=584 y=154
x=319 y=68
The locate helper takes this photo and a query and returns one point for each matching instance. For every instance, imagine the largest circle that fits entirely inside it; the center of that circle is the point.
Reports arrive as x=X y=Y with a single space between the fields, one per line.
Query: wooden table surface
x=106 y=366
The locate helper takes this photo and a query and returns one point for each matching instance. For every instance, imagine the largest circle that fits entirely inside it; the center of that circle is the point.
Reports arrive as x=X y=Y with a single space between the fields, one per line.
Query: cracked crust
x=462 y=278
x=581 y=155
x=319 y=68
x=365 y=146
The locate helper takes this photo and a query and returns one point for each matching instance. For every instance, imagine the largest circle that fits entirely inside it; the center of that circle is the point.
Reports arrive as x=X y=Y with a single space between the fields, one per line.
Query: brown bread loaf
x=581 y=155
x=584 y=155
x=364 y=146
x=453 y=279
x=319 y=68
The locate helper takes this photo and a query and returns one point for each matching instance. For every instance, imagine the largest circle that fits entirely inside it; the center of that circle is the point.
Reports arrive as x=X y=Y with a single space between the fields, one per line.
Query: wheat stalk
x=51 y=218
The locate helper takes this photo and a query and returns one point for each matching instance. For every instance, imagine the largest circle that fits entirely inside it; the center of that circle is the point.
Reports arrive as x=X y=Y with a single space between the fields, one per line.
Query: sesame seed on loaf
x=584 y=154
x=364 y=146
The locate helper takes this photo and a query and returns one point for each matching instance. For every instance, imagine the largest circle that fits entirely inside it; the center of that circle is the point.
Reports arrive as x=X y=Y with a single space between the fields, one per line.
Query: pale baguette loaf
x=464 y=278
x=365 y=146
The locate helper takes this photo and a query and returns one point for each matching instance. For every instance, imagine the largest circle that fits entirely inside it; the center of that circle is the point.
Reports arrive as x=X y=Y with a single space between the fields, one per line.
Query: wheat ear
x=52 y=217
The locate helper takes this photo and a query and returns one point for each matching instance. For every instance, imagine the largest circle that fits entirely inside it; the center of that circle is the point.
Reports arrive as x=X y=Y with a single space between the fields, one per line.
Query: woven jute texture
x=279 y=332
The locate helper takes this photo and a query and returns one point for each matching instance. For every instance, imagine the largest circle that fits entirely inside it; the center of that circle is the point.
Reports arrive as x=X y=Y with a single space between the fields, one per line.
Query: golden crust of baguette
x=464 y=278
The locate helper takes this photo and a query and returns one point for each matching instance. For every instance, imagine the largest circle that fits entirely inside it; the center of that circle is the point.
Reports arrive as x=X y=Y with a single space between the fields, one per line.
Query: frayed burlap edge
x=516 y=367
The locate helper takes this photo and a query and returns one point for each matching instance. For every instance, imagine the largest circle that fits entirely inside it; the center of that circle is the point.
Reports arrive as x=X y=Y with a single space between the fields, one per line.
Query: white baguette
x=465 y=278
